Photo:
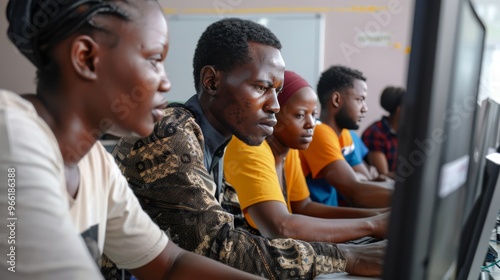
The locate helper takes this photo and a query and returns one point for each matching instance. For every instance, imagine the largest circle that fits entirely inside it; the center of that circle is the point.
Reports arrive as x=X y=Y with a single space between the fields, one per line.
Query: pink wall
x=16 y=72
x=382 y=65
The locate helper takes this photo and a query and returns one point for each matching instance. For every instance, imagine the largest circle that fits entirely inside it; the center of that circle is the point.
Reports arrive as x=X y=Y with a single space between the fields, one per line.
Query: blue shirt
x=359 y=153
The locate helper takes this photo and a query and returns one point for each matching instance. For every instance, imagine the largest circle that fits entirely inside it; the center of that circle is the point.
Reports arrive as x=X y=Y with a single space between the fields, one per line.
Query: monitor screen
x=485 y=141
x=481 y=221
x=480 y=215
x=439 y=114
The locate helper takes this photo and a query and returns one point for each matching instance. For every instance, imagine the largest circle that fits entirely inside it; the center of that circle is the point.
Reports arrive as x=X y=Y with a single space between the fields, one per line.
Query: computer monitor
x=480 y=214
x=481 y=221
x=435 y=141
x=485 y=141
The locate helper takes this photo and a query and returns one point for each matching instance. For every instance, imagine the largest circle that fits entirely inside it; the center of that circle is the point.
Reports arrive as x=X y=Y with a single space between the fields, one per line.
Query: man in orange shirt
x=341 y=92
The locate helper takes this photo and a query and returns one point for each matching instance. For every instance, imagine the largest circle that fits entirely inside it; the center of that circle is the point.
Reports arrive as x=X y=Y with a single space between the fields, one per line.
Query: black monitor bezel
x=415 y=199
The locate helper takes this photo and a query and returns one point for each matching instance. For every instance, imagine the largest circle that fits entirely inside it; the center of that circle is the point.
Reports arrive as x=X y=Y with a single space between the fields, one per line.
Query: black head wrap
x=36 y=24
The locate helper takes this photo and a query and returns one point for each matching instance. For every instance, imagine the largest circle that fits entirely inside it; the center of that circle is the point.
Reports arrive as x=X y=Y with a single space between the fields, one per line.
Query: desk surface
x=494 y=271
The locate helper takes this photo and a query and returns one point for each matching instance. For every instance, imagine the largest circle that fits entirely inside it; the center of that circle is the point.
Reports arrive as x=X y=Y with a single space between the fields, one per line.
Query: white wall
x=344 y=20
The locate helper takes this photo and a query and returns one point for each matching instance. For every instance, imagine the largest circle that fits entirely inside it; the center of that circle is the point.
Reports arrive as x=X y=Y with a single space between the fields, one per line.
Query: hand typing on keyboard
x=364 y=259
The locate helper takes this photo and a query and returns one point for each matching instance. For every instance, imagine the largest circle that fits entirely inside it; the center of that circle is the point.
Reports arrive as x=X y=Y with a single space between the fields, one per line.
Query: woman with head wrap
x=271 y=187
x=100 y=70
x=381 y=137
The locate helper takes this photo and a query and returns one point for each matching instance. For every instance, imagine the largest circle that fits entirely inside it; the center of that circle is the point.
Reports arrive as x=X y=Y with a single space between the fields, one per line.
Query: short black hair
x=224 y=45
x=391 y=98
x=336 y=78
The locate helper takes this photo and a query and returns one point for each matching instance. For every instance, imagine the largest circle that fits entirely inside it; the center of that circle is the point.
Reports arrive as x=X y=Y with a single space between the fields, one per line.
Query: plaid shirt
x=381 y=137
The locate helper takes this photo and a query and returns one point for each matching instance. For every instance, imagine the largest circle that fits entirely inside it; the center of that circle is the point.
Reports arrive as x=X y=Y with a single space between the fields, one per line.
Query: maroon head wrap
x=291 y=85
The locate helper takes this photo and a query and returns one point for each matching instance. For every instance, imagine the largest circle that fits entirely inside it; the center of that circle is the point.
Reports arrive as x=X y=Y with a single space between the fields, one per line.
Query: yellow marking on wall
x=407 y=50
x=170 y=11
x=230 y=10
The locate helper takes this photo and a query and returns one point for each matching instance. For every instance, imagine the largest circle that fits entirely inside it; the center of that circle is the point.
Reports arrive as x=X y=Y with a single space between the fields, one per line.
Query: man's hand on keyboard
x=380 y=225
x=364 y=260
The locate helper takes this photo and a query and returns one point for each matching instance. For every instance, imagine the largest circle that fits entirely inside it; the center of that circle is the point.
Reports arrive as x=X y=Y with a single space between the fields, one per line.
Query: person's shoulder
x=373 y=128
x=322 y=128
x=20 y=125
x=241 y=147
x=347 y=133
x=293 y=155
x=8 y=96
x=177 y=111
x=238 y=150
x=177 y=130
x=323 y=133
x=178 y=120
x=18 y=111
x=13 y=101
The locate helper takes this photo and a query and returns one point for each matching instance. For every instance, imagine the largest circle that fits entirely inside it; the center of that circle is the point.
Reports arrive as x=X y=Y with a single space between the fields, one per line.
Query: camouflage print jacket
x=167 y=173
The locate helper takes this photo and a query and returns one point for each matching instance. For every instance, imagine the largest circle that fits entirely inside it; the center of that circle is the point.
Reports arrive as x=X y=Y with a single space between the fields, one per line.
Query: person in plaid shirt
x=381 y=137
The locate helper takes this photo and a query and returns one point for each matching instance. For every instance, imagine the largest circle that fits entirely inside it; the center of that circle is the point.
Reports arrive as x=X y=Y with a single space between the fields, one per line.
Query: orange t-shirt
x=325 y=148
x=251 y=170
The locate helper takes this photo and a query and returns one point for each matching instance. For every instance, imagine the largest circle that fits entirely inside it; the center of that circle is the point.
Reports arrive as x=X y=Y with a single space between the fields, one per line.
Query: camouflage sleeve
x=167 y=174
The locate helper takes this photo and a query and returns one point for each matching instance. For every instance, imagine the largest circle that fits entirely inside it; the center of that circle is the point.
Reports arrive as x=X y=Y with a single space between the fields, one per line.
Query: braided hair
x=37 y=26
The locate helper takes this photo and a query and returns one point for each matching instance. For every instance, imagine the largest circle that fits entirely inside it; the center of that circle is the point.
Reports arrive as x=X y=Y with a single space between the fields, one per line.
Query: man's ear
x=336 y=99
x=84 y=57
x=209 y=79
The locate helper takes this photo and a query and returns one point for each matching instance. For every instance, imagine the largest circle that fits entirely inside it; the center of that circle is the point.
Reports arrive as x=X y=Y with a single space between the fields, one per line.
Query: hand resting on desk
x=364 y=260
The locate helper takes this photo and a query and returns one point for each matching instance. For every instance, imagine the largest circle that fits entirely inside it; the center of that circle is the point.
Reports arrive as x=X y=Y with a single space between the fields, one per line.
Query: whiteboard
x=300 y=35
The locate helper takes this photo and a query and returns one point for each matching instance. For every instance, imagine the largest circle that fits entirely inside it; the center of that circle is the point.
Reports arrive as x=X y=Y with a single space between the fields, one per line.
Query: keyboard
x=363 y=240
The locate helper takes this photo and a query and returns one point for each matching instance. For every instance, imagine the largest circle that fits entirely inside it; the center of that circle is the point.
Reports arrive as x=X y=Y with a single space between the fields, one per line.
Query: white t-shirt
x=38 y=238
